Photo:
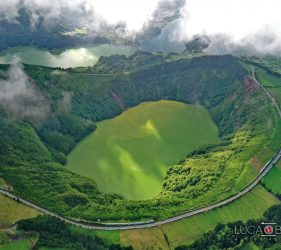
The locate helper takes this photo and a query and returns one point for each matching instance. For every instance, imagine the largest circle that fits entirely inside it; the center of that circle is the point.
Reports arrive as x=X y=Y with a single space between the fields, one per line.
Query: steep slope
x=240 y=109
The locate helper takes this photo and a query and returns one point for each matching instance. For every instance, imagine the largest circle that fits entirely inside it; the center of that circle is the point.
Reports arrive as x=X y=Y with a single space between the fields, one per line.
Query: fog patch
x=19 y=96
x=65 y=104
x=165 y=41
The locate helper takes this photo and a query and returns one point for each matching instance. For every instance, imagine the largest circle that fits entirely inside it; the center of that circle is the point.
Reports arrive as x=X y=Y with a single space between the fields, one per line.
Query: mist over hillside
x=233 y=27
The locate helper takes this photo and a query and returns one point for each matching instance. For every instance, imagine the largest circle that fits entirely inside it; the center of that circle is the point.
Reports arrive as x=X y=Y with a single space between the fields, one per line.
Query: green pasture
x=186 y=231
x=271 y=82
x=273 y=180
x=12 y=211
x=16 y=245
x=250 y=206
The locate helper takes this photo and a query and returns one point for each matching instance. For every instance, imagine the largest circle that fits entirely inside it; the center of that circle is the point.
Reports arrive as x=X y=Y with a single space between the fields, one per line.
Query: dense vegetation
x=30 y=153
x=53 y=233
x=223 y=236
x=59 y=134
x=119 y=63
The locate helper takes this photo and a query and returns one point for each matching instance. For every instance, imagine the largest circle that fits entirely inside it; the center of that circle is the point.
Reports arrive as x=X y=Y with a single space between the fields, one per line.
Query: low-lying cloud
x=65 y=104
x=96 y=13
x=19 y=96
x=233 y=26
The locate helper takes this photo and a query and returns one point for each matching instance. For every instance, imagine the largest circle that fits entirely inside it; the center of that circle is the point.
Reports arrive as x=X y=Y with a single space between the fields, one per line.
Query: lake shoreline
x=71 y=57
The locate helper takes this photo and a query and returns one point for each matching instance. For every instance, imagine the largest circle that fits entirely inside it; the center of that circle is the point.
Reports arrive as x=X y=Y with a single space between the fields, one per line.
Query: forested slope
x=31 y=153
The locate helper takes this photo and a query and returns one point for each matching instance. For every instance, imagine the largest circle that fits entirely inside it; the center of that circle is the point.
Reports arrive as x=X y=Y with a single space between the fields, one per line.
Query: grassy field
x=273 y=64
x=130 y=153
x=272 y=83
x=3 y=184
x=267 y=79
x=112 y=237
x=273 y=180
x=24 y=245
x=248 y=174
x=12 y=211
x=16 y=245
x=144 y=239
x=251 y=206
x=182 y=232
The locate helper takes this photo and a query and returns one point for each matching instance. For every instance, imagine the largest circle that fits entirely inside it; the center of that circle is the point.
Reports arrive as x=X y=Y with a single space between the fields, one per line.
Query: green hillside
x=32 y=155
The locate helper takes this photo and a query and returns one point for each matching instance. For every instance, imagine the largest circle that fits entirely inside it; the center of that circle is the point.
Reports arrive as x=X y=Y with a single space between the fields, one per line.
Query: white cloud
x=20 y=98
x=9 y=9
x=241 y=22
x=133 y=12
x=237 y=18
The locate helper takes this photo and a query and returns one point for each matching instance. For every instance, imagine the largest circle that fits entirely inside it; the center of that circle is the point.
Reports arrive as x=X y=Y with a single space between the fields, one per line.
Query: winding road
x=149 y=224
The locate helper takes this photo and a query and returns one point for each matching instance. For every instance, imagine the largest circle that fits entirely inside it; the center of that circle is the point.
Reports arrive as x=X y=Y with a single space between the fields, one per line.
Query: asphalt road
x=142 y=225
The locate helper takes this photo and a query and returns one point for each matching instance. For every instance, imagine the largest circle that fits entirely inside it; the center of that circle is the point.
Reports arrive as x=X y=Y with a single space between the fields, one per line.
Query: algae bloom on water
x=130 y=153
